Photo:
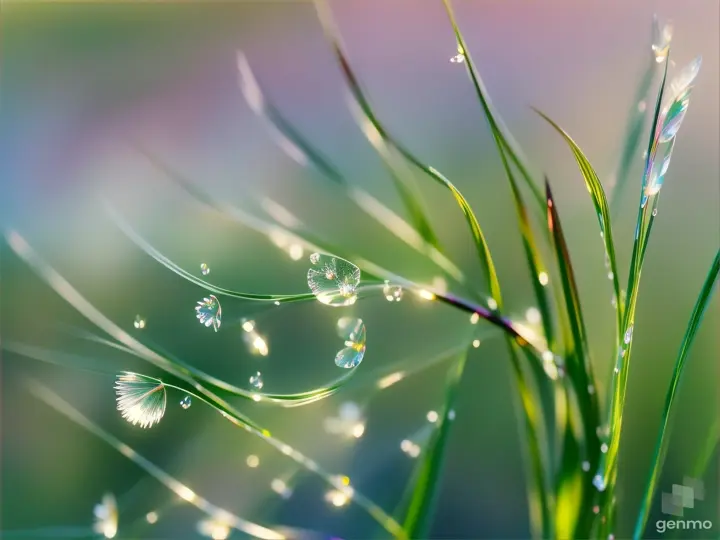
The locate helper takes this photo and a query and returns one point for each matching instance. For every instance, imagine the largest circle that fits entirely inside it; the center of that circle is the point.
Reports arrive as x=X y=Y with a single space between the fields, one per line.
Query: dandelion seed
x=204 y=269
x=248 y=326
x=405 y=445
x=256 y=381
x=277 y=302
x=392 y=293
x=151 y=518
x=256 y=397
x=106 y=516
x=209 y=312
x=186 y=402
x=353 y=332
x=252 y=461
x=140 y=399
x=333 y=280
x=139 y=322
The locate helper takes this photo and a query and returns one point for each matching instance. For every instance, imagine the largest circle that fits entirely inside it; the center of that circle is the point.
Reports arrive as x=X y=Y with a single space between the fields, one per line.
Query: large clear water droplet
x=392 y=293
x=139 y=322
x=353 y=332
x=256 y=381
x=662 y=35
x=186 y=402
x=208 y=312
x=204 y=269
x=333 y=280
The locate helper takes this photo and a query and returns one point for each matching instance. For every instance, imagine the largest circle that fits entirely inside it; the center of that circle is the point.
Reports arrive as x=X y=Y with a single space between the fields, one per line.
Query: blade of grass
x=665 y=427
x=579 y=366
x=427 y=474
x=391 y=151
x=602 y=210
x=248 y=527
x=570 y=491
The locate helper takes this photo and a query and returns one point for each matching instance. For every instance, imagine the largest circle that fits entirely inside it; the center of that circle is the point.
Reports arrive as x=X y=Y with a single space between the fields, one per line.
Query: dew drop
x=591 y=389
x=252 y=461
x=607 y=260
x=533 y=315
x=604 y=448
x=599 y=483
x=353 y=332
x=613 y=301
x=543 y=278
x=279 y=487
x=451 y=414
x=256 y=381
x=476 y=343
x=474 y=318
x=642 y=106
x=432 y=416
x=610 y=275
x=457 y=59
x=492 y=303
x=628 y=334
x=139 y=322
x=654 y=212
x=204 y=269
x=585 y=466
x=392 y=293
x=208 y=312
x=596 y=509
x=333 y=280
x=662 y=35
x=186 y=402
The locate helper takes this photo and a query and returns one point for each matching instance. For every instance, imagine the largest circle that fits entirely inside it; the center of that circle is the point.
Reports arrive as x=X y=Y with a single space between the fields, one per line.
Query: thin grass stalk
x=664 y=431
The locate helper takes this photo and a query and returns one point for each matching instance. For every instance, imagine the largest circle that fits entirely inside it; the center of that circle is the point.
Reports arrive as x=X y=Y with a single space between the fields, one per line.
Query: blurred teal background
x=80 y=81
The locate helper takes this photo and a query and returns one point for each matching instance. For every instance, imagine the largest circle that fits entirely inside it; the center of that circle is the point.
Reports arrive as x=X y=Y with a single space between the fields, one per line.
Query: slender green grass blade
x=420 y=512
x=665 y=427
x=391 y=150
x=403 y=183
x=502 y=135
x=579 y=366
x=602 y=209
x=569 y=485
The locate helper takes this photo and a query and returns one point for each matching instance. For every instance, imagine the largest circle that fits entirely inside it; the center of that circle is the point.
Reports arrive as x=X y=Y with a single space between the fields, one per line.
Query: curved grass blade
x=392 y=152
x=181 y=490
x=426 y=244
x=569 y=488
x=579 y=366
x=76 y=300
x=420 y=512
x=664 y=433
x=501 y=134
x=602 y=209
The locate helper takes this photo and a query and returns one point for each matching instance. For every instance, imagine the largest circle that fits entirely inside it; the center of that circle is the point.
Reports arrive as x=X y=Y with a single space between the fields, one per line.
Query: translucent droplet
x=599 y=482
x=543 y=278
x=349 y=412
x=256 y=381
x=139 y=322
x=208 y=312
x=476 y=343
x=457 y=59
x=662 y=35
x=604 y=448
x=585 y=466
x=628 y=334
x=591 y=389
x=492 y=303
x=533 y=315
x=596 y=509
x=252 y=461
x=204 y=269
x=613 y=301
x=186 y=402
x=451 y=414
x=353 y=332
x=654 y=212
x=333 y=280
x=610 y=275
x=432 y=416
x=642 y=106
x=392 y=293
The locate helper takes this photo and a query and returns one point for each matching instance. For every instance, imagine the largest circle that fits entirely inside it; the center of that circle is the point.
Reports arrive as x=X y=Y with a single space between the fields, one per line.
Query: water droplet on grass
x=186 y=402
x=476 y=343
x=585 y=466
x=457 y=59
x=543 y=278
x=208 y=312
x=492 y=303
x=333 y=280
x=392 y=293
x=204 y=269
x=604 y=448
x=599 y=482
x=596 y=509
x=628 y=335
x=139 y=322
x=662 y=35
x=654 y=212
x=353 y=332
x=256 y=381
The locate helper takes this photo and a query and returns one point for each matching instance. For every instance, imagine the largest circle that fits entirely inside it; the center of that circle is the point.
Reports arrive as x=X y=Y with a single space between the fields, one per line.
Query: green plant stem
x=664 y=432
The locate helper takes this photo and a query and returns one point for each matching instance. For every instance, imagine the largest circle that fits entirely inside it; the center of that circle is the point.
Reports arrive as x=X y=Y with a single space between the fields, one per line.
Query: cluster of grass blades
x=570 y=434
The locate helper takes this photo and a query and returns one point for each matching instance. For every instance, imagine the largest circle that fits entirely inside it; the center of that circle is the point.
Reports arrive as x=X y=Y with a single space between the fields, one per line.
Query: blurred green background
x=80 y=81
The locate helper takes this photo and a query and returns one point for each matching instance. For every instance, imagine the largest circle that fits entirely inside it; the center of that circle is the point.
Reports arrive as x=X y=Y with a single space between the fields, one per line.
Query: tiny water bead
x=333 y=280
x=599 y=482
x=186 y=402
x=392 y=293
x=543 y=278
x=256 y=381
x=432 y=416
x=585 y=466
x=209 y=312
x=252 y=461
x=476 y=343
x=353 y=332
x=459 y=58
x=204 y=269
x=654 y=212
x=604 y=448
x=255 y=343
x=628 y=336
x=662 y=35
x=533 y=315
x=139 y=322
x=492 y=303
